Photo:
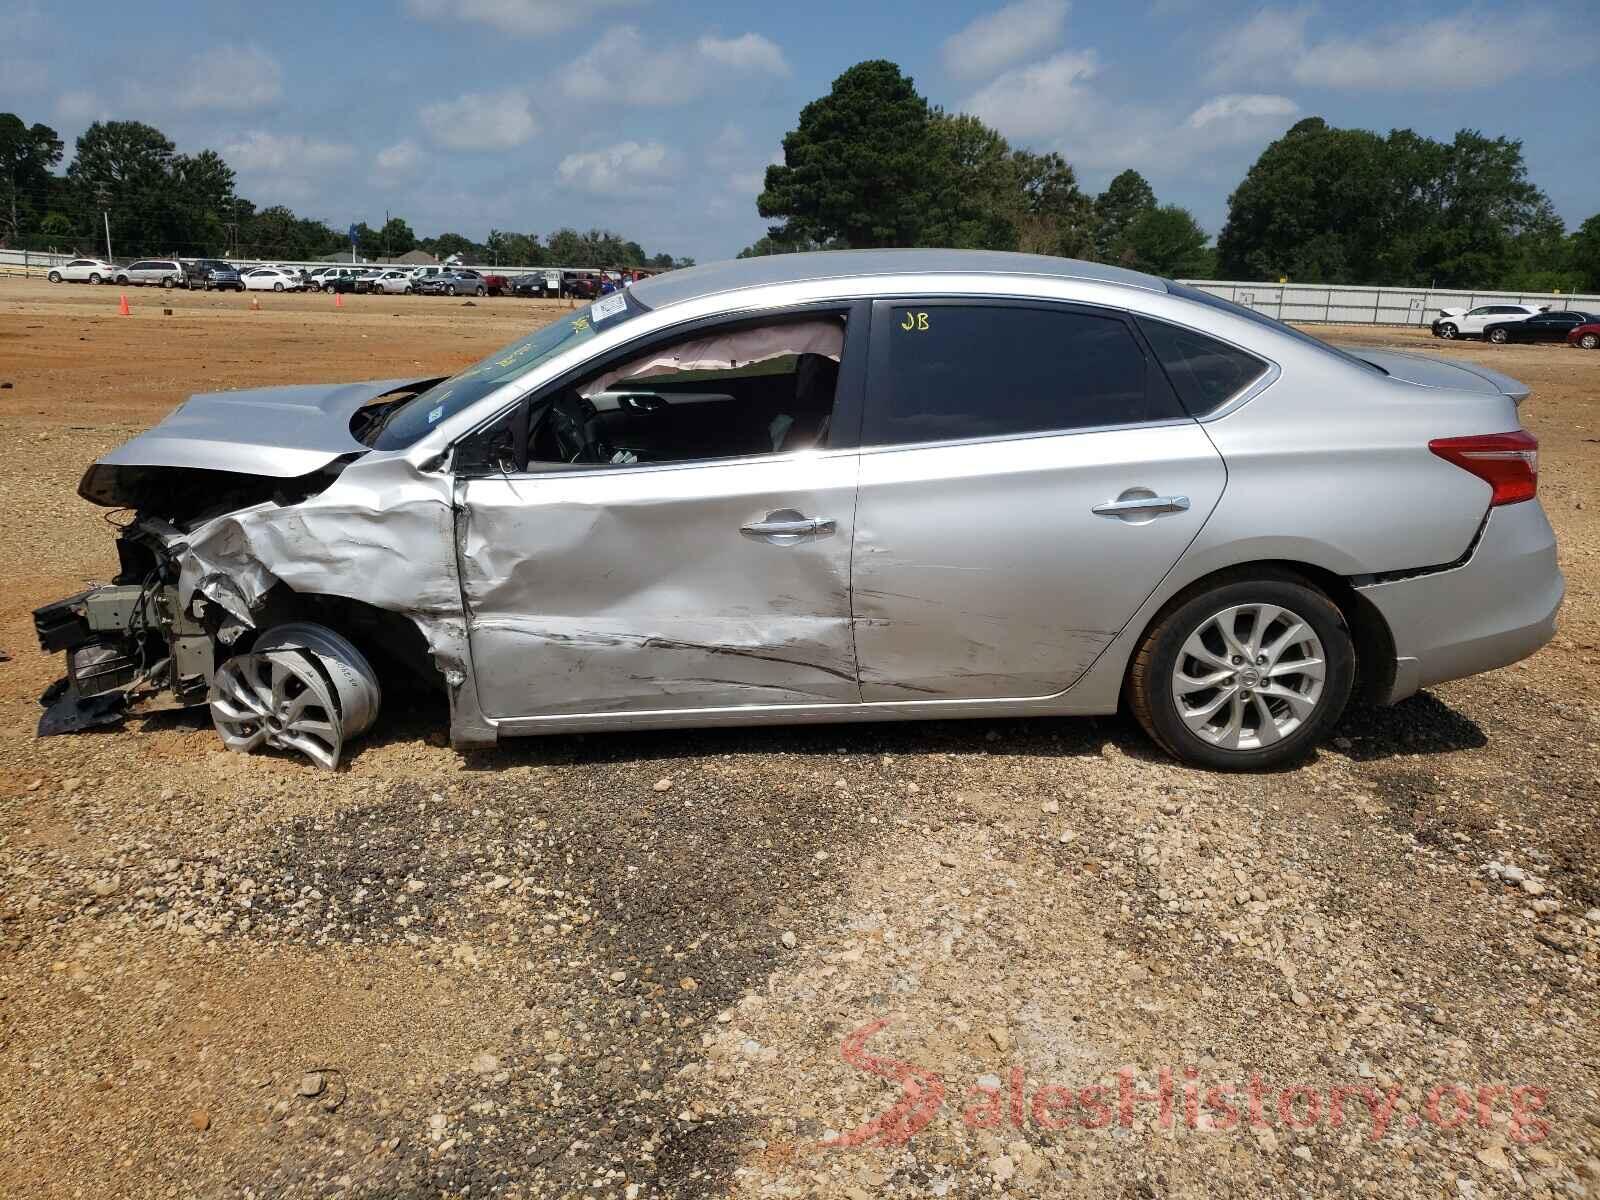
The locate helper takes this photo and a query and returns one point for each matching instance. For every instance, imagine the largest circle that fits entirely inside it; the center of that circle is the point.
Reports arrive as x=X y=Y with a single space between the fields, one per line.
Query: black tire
x=166 y=283
x=54 y=277
x=1149 y=688
x=1590 y=341
x=278 y=287
x=1499 y=337
x=1448 y=331
x=451 y=290
x=482 y=291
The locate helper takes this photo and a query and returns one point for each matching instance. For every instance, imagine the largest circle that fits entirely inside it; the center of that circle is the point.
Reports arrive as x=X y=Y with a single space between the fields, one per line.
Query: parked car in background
x=1541 y=327
x=497 y=284
x=272 y=279
x=391 y=282
x=1586 y=336
x=213 y=275
x=1052 y=488
x=1471 y=322
x=366 y=278
x=579 y=285
x=83 y=270
x=420 y=275
x=334 y=279
x=530 y=285
x=457 y=282
x=166 y=272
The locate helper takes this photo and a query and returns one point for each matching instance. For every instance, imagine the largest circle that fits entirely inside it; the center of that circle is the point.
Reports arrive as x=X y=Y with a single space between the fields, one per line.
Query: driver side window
x=730 y=391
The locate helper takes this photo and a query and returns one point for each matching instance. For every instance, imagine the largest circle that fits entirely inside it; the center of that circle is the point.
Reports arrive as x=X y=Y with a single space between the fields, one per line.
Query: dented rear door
x=659 y=588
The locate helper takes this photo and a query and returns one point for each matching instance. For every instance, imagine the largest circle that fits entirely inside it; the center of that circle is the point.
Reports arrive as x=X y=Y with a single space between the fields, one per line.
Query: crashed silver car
x=834 y=487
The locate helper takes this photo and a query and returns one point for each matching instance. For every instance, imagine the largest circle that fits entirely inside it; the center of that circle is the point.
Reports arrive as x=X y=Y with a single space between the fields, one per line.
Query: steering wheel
x=575 y=423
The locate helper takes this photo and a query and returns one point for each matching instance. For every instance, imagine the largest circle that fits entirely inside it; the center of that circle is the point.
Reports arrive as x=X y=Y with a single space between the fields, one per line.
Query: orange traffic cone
x=338 y=299
x=122 y=308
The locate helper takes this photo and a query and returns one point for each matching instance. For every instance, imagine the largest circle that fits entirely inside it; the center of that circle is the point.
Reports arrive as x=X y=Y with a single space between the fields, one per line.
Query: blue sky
x=657 y=117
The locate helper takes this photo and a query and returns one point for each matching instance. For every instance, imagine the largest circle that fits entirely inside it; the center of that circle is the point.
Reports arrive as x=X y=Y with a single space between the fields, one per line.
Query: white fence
x=1347 y=304
x=38 y=262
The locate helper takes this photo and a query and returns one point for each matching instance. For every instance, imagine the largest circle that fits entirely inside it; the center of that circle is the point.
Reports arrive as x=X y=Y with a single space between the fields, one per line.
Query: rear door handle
x=787 y=526
x=1138 y=503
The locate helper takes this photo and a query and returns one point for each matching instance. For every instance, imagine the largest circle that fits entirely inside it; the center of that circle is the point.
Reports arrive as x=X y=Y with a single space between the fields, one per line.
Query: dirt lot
x=657 y=964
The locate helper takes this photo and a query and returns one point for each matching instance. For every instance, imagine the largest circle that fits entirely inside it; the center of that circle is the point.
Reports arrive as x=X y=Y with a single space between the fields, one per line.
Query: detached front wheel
x=1244 y=676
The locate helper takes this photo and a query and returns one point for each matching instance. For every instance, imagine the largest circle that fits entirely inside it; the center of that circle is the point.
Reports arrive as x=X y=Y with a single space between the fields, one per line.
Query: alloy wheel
x=1447 y=332
x=276 y=699
x=1590 y=341
x=1249 y=676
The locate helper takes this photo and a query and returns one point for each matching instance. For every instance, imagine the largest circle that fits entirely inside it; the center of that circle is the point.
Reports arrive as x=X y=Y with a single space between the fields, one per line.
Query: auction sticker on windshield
x=608 y=306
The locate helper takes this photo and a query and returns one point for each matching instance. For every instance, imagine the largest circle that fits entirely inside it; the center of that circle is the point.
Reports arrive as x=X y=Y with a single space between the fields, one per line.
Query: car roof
x=692 y=283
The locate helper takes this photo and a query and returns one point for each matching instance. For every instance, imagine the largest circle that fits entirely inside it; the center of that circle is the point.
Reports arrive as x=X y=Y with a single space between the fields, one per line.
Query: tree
x=27 y=154
x=855 y=167
x=1169 y=241
x=970 y=181
x=1350 y=206
x=396 y=237
x=127 y=167
x=1050 y=212
x=1585 y=253
x=1125 y=199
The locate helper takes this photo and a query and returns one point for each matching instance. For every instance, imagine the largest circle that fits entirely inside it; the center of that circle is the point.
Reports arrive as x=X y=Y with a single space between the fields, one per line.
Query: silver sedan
x=858 y=486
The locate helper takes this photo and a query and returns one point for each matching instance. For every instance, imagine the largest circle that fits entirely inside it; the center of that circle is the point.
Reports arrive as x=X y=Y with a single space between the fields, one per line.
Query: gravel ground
x=871 y=961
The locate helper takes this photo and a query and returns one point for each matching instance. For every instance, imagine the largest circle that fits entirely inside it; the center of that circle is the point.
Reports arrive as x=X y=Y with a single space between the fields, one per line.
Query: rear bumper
x=1495 y=609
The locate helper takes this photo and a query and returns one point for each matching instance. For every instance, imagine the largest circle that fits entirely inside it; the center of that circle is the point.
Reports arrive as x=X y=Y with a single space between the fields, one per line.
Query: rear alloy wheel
x=482 y=292
x=1448 y=331
x=94 y=278
x=1244 y=676
x=278 y=287
x=302 y=687
x=1499 y=337
x=1590 y=341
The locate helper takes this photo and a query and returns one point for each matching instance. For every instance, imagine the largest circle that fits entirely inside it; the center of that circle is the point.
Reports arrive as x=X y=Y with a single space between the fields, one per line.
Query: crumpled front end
x=357 y=555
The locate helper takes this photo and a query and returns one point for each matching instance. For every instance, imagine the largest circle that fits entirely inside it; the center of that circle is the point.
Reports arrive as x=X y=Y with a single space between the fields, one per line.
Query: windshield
x=410 y=420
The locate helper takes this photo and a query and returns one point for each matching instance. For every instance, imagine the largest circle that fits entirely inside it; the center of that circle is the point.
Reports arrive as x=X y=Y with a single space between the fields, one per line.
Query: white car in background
x=391 y=282
x=272 y=279
x=1469 y=322
x=83 y=270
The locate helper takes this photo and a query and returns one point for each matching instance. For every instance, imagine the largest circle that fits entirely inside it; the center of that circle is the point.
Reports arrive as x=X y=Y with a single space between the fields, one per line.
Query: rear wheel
x=1448 y=331
x=1590 y=341
x=95 y=277
x=482 y=291
x=1244 y=675
x=1499 y=337
x=278 y=287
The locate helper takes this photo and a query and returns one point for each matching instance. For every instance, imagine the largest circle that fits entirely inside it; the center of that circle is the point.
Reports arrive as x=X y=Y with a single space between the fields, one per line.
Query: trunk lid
x=1426 y=371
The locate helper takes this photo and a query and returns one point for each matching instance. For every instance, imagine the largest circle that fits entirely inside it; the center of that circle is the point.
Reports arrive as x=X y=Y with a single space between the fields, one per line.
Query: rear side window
x=1206 y=373
x=954 y=371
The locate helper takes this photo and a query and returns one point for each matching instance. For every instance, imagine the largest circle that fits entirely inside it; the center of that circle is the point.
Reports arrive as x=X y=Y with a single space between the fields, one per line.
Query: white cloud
x=621 y=169
x=625 y=68
x=1003 y=37
x=1055 y=104
x=230 y=78
x=1464 y=50
x=1039 y=99
x=1234 y=110
x=748 y=52
x=481 y=121
x=405 y=155
x=519 y=18
x=1268 y=44
x=287 y=154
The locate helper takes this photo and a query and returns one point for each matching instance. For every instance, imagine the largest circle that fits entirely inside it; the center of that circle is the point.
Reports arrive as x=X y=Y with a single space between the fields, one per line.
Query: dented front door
x=653 y=588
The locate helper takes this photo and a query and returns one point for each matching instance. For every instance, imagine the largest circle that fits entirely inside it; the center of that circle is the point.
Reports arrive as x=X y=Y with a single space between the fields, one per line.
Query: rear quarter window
x=1204 y=372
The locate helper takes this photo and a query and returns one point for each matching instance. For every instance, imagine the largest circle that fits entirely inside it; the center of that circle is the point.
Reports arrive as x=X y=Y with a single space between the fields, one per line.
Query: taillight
x=1507 y=462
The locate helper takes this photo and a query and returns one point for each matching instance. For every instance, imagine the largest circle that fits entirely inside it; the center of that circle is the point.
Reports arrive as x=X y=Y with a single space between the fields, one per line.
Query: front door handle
x=1140 y=504
x=785 y=527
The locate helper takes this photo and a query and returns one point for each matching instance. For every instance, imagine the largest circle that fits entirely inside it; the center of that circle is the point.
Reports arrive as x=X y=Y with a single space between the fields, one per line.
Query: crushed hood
x=281 y=432
x=1425 y=371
